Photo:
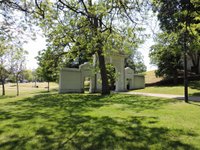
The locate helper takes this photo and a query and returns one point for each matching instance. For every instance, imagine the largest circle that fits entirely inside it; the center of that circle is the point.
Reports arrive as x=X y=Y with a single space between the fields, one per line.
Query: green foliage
x=181 y=17
x=27 y=75
x=83 y=28
x=135 y=62
x=166 y=54
x=174 y=15
x=48 y=65
x=4 y=73
x=78 y=29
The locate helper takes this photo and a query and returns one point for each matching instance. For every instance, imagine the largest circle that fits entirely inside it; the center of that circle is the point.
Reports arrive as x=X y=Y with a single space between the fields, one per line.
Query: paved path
x=180 y=97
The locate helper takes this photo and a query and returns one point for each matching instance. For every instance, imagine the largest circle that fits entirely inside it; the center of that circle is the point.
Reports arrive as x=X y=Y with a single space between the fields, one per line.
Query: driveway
x=180 y=97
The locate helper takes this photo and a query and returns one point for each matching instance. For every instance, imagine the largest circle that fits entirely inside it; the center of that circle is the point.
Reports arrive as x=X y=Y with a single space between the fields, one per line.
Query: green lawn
x=72 y=121
x=193 y=90
x=27 y=89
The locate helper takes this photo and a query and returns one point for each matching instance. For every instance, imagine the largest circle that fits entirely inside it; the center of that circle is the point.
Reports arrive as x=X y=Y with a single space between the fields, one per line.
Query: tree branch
x=72 y=8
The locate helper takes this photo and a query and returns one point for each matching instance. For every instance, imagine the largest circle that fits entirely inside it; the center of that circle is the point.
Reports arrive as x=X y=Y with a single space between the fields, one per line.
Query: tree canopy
x=81 y=28
x=166 y=54
x=89 y=27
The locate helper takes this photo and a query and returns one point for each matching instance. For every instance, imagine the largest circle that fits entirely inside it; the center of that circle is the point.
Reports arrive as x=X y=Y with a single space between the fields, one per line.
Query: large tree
x=101 y=27
x=97 y=26
x=181 y=17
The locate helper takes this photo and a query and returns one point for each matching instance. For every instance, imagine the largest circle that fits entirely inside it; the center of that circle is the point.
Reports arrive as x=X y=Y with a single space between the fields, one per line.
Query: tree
x=194 y=51
x=182 y=17
x=18 y=64
x=48 y=67
x=100 y=27
x=4 y=63
x=27 y=75
x=135 y=62
x=166 y=54
x=12 y=31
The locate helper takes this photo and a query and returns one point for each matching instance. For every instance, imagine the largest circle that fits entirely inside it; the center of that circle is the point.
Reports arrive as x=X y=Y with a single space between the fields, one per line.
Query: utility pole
x=185 y=62
x=185 y=73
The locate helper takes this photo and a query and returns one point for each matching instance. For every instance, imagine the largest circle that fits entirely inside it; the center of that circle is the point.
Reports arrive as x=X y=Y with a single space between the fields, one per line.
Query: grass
x=193 y=90
x=150 y=78
x=81 y=121
x=27 y=88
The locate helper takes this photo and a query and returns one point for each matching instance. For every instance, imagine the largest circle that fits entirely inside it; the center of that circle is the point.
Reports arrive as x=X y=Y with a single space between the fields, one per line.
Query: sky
x=33 y=47
x=144 y=49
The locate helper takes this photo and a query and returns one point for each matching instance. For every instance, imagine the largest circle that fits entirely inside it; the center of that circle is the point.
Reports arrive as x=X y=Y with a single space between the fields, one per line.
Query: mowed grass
x=193 y=89
x=82 y=121
x=25 y=89
x=150 y=78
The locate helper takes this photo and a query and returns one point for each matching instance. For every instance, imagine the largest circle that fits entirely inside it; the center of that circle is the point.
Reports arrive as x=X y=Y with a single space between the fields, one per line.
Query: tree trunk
x=17 y=86
x=3 y=87
x=104 y=77
x=102 y=65
x=35 y=83
x=48 y=86
x=185 y=69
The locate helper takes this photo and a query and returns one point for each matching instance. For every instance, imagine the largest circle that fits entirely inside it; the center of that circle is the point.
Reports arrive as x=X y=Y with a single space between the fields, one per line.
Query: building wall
x=70 y=81
x=139 y=82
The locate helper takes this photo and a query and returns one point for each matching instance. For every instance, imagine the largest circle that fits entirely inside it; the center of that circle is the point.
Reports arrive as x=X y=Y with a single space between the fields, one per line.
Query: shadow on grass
x=59 y=121
x=51 y=90
x=194 y=103
x=195 y=85
x=195 y=94
x=5 y=97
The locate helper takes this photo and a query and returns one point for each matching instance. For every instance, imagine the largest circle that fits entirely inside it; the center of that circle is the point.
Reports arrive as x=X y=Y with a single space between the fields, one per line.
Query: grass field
x=150 y=78
x=27 y=88
x=193 y=89
x=41 y=120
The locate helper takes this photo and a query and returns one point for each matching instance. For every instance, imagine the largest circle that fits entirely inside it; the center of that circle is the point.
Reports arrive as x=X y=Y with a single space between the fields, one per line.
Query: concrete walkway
x=179 y=97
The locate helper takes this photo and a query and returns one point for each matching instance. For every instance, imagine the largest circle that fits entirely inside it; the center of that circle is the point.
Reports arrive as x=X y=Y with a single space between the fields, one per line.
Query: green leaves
x=166 y=54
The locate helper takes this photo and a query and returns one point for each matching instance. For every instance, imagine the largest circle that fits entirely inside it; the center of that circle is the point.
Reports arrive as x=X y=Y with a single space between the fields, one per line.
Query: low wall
x=70 y=81
x=139 y=82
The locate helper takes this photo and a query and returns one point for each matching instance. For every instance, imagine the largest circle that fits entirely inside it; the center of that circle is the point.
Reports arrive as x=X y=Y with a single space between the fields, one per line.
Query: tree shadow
x=59 y=121
x=5 y=97
x=194 y=103
x=50 y=91
x=195 y=94
x=109 y=133
x=195 y=85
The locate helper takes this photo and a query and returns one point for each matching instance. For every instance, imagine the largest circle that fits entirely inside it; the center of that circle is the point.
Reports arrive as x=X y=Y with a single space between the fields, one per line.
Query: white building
x=72 y=79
